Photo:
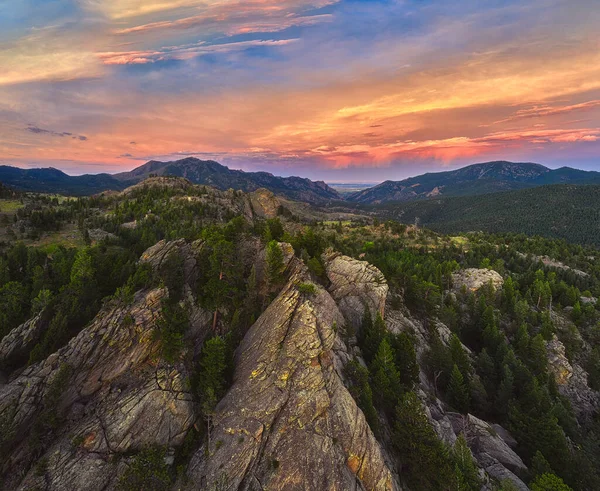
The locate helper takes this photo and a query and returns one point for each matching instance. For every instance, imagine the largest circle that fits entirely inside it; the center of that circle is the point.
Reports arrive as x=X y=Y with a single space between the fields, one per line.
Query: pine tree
x=372 y=335
x=386 y=378
x=509 y=295
x=538 y=359
x=275 y=264
x=406 y=359
x=576 y=313
x=82 y=270
x=547 y=326
x=505 y=391
x=360 y=389
x=425 y=460
x=212 y=366
x=438 y=362
x=460 y=357
x=458 y=393
x=521 y=342
x=539 y=465
x=549 y=482
x=466 y=470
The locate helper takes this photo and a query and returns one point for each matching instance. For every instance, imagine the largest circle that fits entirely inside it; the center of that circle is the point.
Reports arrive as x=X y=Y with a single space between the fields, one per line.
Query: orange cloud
x=541 y=111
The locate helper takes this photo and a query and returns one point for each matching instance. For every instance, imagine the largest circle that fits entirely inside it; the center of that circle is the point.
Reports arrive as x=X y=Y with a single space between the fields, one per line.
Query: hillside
x=211 y=173
x=474 y=179
x=197 y=171
x=562 y=211
x=50 y=180
x=194 y=338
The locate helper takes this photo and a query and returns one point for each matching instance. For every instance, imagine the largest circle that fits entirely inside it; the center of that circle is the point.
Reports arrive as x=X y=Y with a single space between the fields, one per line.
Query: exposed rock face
x=264 y=203
x=585 y=401
x=159 y=252
x=123 y=402
x=490 y=445
x=355 y=285
x=473 y=279
x=117 y=398
x=557 y=361
x=572 y=380
x=482 y=438
x=15 y=346
x=99 y=234
x=288 y=422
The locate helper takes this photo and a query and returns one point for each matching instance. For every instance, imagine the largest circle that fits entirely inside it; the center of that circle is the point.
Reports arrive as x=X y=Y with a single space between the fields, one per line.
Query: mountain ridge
x=207 y=172
x=475 y=179
x=472 y=180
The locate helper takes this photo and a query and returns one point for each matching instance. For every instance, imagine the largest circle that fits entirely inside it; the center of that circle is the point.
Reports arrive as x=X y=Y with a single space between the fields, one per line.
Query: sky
x=340 y=90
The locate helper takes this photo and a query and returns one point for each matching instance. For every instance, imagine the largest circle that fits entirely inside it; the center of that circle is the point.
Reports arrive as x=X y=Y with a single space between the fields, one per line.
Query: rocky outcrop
x=99 y=234
x=584 y=400
x=159 y=252
x=572 y=381
x=483 y=439
x=473 y=279
x=491 y=445
x=108 y=375
x=264 y=203
x=16 y=345
x=288 y=422
x=114 y=396
x=558 y=362
x=355 y=285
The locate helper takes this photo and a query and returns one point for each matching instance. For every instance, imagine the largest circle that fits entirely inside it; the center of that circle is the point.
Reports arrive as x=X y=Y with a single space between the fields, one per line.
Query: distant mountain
x=205 y=172
x=212 y=173
x=50 y=180
x=474 y=179
x=563 y=211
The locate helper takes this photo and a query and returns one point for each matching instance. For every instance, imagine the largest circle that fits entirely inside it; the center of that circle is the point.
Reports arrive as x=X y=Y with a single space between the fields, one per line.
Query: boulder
x=355 y=285
x=496 y=470
x=473 y=279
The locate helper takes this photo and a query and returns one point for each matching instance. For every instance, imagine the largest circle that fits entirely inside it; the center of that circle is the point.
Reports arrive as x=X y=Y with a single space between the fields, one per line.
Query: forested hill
x=54 y=181
x=476 y=179
x=197 y=171
x=560 y=211
x=211 y=173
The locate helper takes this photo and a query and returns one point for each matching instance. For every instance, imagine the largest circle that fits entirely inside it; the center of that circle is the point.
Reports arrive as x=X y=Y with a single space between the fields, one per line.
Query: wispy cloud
x=230 y=27
x=542 y=111
x=185 y=52
x=42 y=131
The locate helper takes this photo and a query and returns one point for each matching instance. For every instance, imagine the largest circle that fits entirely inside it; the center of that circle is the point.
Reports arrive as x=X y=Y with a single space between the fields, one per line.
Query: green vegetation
x=307 y=288
x=561 y=211
x=146 y=470
x=503 y=377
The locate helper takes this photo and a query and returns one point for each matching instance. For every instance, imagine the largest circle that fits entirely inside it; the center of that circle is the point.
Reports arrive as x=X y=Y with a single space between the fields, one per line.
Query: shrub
x=307 y=288
x=147 y=470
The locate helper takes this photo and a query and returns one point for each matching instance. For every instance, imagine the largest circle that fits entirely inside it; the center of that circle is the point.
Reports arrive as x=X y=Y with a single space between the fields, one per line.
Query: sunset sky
x=336 y=90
